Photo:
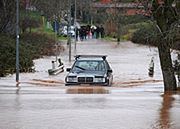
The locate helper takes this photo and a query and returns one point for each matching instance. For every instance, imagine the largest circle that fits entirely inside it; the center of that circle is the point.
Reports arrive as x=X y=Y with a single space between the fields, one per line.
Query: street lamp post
x=68 y=29
x=17 y=43
x=75 y=22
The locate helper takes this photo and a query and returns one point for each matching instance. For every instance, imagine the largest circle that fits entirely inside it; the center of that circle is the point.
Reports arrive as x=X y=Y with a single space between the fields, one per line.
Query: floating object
x=151 y=67
x=55 y=71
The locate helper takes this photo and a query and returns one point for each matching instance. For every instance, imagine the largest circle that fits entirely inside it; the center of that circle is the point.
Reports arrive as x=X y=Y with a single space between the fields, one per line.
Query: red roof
x=105 y=1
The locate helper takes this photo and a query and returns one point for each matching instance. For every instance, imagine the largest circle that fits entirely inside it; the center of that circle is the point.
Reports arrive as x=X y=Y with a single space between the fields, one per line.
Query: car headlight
x=99 y=79
x=71 y=79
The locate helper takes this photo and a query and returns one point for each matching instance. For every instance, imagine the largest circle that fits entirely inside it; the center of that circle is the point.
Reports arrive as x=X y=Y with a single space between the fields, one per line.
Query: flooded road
x=135 y=101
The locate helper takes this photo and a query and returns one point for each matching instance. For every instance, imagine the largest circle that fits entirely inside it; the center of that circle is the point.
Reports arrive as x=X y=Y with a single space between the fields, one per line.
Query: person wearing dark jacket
x=102 y=31
x=60 y=62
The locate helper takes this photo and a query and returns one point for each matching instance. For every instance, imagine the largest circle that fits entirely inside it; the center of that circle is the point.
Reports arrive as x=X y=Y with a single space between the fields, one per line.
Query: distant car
x=89 y=69
x=71 y=31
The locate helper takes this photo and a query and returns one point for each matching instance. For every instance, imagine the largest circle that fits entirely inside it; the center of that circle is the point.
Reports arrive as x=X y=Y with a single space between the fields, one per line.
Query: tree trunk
x=164 y=16
x=166 y=66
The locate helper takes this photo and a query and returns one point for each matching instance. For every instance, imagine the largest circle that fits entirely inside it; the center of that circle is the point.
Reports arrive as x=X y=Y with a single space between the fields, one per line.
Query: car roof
x=90 y=57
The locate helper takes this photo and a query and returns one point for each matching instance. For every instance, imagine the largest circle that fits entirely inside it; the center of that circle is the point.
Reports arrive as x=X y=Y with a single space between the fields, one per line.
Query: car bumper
x=92 y=83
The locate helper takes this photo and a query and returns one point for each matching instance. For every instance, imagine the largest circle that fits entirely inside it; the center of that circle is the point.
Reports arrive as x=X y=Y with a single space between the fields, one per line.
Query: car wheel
x=108 y=83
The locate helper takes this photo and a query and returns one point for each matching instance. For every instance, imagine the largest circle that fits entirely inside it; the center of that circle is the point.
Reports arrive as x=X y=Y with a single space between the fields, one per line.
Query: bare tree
x=84 y=9
x=118 y=19
x=165 y=15
x=7 y=16
x=52 y=8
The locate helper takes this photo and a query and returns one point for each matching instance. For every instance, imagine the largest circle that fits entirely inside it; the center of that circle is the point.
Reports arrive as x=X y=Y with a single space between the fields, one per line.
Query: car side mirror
x=109 y=71
x=68 y=69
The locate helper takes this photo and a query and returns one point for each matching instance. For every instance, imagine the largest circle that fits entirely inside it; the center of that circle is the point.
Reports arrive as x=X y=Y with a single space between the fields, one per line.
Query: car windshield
x=90 y=65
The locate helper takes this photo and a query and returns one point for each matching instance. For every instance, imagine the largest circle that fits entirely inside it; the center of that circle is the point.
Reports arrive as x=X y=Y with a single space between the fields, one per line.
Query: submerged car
x=89 y=69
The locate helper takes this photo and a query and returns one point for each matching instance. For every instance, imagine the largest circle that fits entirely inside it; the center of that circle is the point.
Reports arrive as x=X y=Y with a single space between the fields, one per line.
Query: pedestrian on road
x=60 y=62
x=102 y=31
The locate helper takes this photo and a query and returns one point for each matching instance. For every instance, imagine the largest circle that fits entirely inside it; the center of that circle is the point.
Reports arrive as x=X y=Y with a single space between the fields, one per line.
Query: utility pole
x=68 y=29
x=75 y=10
x=91 y=14
x=17 y=43
x=56 y=38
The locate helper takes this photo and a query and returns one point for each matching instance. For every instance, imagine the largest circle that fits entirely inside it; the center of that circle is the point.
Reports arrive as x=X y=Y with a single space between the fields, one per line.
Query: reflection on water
x=164 y=121
x=86 y=90
x=17 y=90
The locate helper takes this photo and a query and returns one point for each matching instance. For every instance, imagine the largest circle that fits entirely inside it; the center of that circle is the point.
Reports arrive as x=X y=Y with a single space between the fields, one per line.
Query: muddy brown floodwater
x=135 y=100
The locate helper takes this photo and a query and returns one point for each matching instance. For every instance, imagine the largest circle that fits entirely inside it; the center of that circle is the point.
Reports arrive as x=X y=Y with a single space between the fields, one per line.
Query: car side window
x=107 y=65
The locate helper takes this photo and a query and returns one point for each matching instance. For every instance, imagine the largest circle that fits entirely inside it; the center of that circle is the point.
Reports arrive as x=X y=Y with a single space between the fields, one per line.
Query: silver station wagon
x=89 y=69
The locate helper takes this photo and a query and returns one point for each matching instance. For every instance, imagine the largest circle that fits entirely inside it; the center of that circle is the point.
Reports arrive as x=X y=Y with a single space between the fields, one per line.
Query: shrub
x=8 y=56
x=29 y=23
x=32 y=45
x=147 y=34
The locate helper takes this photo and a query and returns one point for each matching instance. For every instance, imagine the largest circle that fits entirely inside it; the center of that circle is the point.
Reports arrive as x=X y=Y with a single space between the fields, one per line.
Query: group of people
x=87 y=32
